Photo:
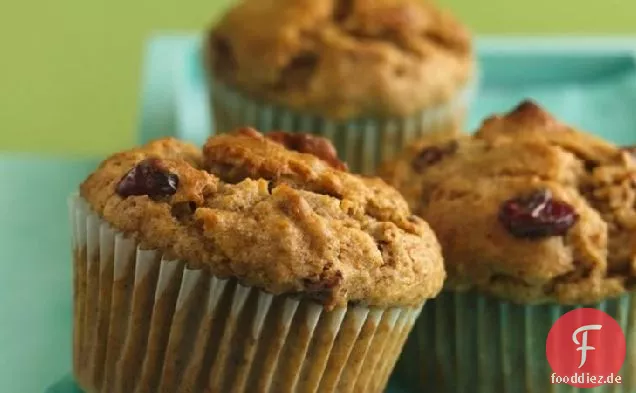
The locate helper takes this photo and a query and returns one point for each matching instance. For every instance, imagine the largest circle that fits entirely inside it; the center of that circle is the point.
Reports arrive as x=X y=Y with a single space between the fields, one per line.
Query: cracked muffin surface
x=342 y=58
x=279 y=213
x=527 y=209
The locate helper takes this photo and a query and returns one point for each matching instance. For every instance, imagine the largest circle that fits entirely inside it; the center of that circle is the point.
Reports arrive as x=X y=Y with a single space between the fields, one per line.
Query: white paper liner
x=362 y=143
x=470 y=343
x=144 y=324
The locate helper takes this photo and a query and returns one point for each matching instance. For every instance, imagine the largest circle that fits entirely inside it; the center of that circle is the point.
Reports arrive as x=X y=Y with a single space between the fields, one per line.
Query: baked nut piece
x=527 y=208
x=263 y=249
x=362 y=72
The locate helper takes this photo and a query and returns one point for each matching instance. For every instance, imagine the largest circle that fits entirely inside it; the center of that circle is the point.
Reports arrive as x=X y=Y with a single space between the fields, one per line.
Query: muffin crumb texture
x=527 y=208
x=342 y=58
x=278 y=213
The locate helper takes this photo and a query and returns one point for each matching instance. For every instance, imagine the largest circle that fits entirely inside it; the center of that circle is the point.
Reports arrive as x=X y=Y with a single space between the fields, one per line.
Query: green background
x=70 y=69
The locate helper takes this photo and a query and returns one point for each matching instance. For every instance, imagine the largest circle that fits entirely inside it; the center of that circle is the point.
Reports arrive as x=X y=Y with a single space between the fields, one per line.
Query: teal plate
x=589 y=83
x=35 y=270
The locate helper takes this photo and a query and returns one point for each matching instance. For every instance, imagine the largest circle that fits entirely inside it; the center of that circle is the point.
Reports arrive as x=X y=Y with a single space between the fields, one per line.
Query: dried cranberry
x=432 y=154
x=537 y=215
x=148 y=178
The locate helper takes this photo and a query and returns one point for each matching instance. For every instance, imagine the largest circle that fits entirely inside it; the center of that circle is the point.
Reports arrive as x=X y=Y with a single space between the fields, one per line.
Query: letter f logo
x=583 y=344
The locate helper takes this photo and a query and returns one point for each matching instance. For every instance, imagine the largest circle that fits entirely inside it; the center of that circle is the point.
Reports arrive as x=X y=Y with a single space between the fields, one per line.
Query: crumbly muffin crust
x=248 y=207
x=460 y=183
x=342 y=58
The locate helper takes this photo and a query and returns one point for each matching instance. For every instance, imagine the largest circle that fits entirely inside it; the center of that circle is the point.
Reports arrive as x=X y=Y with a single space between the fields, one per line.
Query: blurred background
x=70 y=70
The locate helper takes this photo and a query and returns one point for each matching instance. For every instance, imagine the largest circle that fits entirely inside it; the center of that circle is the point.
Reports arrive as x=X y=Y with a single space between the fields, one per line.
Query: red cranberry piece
x=432 y=154
x=537 y=215
x=148 y=178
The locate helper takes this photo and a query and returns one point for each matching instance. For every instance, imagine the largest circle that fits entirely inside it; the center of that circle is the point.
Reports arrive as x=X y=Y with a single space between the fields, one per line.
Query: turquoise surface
x=590 y=86
x=35 y=270
x=593 y=91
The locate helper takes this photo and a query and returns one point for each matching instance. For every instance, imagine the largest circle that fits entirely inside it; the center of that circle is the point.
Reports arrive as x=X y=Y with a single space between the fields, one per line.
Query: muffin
x=370 y=75
x=253 y=265
x=535 y=219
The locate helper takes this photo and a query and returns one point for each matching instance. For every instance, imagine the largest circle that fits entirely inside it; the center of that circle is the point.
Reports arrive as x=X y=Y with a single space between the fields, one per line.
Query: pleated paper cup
x=147 y=324
x=362 y=143
x=468 y=343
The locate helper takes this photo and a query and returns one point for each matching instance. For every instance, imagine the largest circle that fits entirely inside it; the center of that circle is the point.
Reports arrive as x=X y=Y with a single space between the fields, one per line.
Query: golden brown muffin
x=276 y=219
x=254 y=265
x=527 y=209
x=342 y=59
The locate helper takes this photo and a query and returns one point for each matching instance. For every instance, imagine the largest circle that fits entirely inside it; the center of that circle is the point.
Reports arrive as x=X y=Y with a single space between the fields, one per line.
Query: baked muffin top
x=527 y=208
x=279 y=213
x=342 y=59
